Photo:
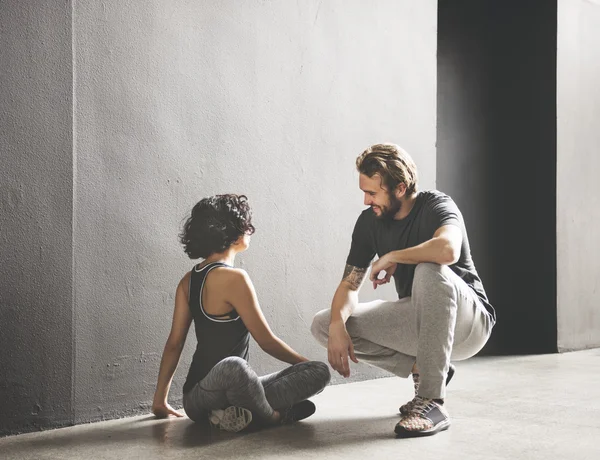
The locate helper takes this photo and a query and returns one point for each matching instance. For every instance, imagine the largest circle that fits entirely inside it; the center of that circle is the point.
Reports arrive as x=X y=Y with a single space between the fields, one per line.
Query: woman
x=222 y=302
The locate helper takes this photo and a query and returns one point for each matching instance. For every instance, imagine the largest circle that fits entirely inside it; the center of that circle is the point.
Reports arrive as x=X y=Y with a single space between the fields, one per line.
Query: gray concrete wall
x=578 y=188
x=36 y=198
x=179 y=100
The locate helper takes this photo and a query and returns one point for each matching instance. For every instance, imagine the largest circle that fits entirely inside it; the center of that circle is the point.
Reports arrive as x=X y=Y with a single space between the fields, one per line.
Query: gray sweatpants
x=442 y=320
x=232 y=382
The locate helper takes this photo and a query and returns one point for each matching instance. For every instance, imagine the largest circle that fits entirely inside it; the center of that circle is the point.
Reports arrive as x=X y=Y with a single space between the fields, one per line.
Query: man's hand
x=339 y=348
x=163 y=410
x=382 y=264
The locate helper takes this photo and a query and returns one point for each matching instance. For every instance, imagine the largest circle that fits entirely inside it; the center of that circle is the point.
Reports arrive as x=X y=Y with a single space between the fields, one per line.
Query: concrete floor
x=533 y=407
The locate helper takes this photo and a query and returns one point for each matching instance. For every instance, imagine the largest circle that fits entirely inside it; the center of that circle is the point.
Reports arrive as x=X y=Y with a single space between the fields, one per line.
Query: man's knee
x=320 y=326
x=427 y=269
x=428 y=272
x=433 y=286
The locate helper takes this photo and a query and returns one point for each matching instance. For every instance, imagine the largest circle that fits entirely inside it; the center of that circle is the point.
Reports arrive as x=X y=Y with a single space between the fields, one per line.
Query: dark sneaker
x=426 y=418
x=405 y=408
x=297 y=412
x=232 y=419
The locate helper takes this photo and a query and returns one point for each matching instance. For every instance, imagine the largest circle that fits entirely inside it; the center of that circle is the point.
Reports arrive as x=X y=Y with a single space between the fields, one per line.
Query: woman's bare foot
x=276 y=417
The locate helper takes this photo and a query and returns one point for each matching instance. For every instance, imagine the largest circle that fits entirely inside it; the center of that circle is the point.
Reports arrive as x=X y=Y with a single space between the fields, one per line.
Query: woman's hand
x=163 y=410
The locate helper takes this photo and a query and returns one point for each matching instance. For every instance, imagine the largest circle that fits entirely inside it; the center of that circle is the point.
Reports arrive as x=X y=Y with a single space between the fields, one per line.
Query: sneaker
x=406 y=408
x=297 y=412
x=426 y=418
x=232 y=419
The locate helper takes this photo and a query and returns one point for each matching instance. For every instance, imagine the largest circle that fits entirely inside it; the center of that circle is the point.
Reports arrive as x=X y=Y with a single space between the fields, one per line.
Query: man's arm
x=345 y=300
x=444 y=249
x=346 y=295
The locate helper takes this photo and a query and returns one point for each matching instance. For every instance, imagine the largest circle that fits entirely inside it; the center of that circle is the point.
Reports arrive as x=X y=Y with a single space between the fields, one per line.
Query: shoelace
x=422 y=406
x=410 y=404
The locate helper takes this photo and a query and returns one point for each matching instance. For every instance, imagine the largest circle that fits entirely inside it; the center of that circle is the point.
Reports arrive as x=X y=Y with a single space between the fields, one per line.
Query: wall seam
x=73 y=220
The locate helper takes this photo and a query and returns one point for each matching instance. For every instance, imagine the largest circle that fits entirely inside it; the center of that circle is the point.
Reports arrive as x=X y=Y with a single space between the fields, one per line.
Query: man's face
x=385 y=205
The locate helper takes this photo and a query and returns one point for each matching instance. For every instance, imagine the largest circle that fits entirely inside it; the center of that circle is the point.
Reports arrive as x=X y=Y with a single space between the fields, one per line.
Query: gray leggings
x=232 y=382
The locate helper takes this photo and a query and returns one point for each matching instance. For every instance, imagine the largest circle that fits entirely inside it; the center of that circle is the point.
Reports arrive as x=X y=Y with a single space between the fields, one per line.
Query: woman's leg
x=232 y=382
x=296 y=383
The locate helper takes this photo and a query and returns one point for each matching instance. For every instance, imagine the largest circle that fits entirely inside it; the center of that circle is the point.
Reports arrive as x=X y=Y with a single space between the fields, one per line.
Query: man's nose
x=367 y=200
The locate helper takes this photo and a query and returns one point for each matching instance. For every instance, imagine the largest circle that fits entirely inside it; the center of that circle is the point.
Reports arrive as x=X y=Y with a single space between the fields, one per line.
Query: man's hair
x=392 y=163
x=215 y=224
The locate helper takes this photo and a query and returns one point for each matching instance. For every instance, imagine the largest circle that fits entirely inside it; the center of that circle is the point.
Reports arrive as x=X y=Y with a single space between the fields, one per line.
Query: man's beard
x=388 y=212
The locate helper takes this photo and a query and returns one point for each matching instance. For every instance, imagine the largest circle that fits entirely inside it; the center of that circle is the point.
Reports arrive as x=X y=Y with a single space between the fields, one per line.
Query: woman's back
x=219 y=329
x=217 y=284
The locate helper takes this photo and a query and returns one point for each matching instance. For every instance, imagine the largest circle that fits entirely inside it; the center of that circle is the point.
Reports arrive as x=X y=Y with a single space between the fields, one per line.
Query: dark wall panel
x=36 y=200
x=497 y=156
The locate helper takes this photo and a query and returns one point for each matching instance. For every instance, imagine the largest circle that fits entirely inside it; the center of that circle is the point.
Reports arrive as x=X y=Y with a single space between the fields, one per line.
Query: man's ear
x=400 y=190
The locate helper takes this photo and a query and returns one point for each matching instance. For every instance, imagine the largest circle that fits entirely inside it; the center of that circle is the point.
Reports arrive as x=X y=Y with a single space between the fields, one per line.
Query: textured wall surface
x=36 y=197
x=179 y=100
x=578 y=187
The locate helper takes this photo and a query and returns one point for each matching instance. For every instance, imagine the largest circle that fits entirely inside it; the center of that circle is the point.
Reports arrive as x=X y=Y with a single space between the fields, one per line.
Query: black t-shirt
x=431 y=211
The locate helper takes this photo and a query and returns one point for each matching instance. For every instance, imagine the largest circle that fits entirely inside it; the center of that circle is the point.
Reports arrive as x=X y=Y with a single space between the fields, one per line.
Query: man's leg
x=451 y=323
x=383 y=333
x=443 y=319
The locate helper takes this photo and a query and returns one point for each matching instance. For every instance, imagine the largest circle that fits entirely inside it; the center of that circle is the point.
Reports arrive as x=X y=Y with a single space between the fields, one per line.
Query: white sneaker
x=232 y=419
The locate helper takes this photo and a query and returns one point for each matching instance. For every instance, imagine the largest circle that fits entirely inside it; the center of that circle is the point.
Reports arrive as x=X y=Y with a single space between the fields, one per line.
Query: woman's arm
x=182 y=319
x=243 y=298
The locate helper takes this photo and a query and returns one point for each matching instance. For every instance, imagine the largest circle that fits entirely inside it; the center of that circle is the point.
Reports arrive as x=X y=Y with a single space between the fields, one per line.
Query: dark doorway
x=496 y=156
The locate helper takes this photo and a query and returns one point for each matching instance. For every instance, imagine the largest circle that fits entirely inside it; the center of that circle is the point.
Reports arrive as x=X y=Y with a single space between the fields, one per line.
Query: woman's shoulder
x=224 y=278
x=230 y=283
x=229 y=277
x=184 y=284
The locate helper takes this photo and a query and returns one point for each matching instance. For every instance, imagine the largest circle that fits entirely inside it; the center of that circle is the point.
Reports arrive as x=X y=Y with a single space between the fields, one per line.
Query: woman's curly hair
x=215 y=224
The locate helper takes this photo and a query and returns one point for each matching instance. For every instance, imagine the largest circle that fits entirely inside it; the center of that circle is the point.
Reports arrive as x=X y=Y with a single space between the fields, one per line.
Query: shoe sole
x=234 y=419
x=402 y=433
x=451 y=372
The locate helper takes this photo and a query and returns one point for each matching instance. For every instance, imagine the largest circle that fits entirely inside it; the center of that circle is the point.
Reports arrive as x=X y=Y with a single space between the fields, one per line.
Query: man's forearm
x=344 y=302
x=345 y=298
x=435 y=250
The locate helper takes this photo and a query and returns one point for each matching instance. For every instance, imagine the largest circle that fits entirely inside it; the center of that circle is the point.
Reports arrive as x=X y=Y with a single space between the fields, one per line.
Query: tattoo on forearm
x=354 y=276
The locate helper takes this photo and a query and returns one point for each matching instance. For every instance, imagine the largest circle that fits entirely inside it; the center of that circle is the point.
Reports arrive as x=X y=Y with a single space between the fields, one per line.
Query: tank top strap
x=197 y=278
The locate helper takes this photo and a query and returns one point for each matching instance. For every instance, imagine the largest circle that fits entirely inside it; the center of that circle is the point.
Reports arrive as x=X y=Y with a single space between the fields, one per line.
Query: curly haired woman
x=222 y=302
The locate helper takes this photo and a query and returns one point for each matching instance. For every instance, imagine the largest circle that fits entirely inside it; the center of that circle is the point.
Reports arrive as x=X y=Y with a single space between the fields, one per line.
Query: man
x=442 y=313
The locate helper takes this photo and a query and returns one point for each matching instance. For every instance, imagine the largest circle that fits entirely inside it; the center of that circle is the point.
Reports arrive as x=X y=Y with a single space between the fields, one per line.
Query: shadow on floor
x=183 y=433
